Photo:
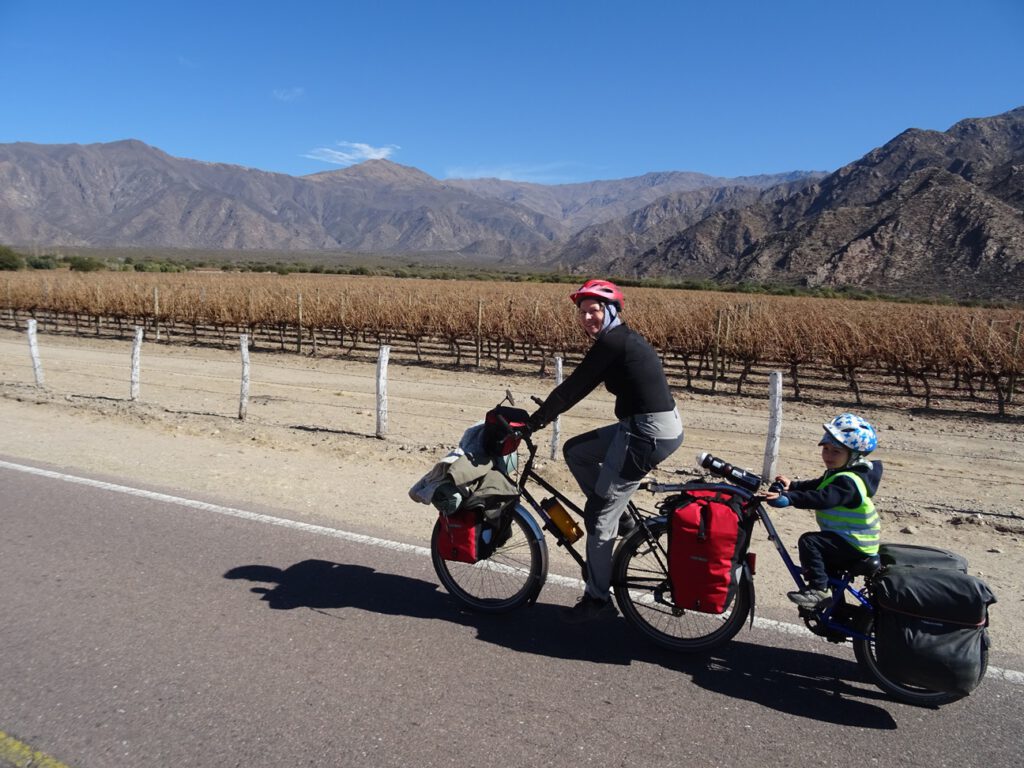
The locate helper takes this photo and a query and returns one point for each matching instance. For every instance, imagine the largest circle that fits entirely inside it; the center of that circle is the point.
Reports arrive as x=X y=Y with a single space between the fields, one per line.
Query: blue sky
x=550 y=92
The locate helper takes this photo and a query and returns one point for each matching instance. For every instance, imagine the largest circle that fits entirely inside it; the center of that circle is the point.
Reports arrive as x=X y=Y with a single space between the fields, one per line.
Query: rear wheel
x=864 y=650
x=510 y=577
x=640 y=576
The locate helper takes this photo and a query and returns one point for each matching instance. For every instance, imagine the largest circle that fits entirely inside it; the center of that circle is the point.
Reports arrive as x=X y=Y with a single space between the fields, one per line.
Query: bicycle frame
x=529 y=475
x=822 y=622
x=838 y=585
x=692 y=631
x=830 y=621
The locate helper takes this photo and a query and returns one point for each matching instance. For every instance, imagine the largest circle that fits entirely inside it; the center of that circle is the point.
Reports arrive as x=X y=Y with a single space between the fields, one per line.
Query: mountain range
x=928 y=213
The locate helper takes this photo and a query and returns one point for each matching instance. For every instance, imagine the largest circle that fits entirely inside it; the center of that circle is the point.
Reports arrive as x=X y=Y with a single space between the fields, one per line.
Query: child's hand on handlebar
x=775 y=495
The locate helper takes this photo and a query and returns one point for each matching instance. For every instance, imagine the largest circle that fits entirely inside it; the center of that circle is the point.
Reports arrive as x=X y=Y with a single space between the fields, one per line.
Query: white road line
x=220 y=510
x=1008 y=675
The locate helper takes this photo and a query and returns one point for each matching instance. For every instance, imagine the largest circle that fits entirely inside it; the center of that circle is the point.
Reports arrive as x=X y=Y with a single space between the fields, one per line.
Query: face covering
x=611 y=319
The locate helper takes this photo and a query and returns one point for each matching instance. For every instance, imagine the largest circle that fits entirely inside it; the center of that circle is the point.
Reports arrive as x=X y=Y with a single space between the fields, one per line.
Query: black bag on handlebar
x=708 y=536
x=930 y=627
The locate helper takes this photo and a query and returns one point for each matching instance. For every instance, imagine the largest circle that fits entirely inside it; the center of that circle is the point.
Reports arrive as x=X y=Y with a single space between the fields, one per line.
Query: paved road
x=139 y=631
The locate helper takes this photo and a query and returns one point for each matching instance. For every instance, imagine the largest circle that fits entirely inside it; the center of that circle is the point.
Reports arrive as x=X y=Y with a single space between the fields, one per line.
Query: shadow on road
x=817 y=686
x=812 y=685
x=324 y=585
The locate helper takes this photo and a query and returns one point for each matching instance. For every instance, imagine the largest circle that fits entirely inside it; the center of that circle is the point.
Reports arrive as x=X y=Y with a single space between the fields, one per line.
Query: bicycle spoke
x=511 y=576
x=645 y=599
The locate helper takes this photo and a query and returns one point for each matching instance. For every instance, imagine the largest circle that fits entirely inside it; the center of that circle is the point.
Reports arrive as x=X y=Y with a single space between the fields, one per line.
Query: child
x=842 y=500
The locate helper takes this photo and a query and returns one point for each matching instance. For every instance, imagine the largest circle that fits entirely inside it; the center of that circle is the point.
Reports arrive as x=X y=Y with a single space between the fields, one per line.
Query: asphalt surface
x=139 y=631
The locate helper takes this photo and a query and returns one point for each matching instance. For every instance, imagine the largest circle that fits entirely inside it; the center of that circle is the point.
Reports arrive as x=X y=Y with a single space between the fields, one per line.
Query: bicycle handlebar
x=716 y=466
x=737 y=475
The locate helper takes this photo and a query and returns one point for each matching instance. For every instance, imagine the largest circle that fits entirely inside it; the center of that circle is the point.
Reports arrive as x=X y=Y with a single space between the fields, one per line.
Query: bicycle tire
x=640 y=576
x=864 y=650
x=512 y=576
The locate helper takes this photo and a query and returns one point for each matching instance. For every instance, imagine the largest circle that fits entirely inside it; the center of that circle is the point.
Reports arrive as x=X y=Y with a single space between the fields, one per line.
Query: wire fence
x=431 y=411
x=936 y=357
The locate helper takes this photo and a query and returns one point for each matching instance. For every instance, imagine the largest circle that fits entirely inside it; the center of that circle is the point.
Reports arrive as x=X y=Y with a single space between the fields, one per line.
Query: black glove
x=535 y=423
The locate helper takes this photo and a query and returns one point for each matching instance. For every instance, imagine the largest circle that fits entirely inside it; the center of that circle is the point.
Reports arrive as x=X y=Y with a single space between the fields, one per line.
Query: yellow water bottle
x=562 y=520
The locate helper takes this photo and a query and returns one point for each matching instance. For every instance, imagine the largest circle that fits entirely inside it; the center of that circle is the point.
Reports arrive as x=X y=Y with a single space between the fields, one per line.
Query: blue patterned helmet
x=851 y=431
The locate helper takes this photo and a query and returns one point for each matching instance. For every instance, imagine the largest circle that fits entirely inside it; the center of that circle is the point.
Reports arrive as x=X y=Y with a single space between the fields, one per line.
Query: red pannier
x=708 y=535
x=457 y=539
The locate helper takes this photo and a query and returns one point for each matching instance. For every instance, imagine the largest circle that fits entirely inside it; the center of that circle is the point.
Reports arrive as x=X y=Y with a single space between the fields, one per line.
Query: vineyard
x=832 y=350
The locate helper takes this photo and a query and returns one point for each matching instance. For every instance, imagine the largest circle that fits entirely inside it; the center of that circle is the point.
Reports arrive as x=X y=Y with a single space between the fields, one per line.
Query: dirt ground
x=308 y=450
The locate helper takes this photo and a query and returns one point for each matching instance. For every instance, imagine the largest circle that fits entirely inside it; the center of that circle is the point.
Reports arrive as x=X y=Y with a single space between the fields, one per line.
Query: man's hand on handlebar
x=534 y=424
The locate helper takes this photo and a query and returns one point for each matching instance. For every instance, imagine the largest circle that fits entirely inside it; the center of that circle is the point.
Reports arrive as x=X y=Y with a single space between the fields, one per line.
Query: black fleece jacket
x=627 y=365
x=842 y=492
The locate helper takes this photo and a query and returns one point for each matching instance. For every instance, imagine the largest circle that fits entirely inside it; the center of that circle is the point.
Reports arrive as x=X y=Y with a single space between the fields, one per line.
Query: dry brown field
x=837 y=351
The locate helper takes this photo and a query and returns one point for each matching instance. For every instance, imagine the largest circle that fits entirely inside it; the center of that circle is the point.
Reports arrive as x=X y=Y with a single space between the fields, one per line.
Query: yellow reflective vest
x=859 y=525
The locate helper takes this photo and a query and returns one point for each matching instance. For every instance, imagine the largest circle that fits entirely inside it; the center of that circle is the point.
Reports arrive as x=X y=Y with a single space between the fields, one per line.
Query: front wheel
x=640 y=576
x=864 y=650
x=510 y=577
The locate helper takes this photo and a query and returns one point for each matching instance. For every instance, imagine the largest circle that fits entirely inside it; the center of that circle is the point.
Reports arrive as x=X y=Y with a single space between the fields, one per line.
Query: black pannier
x=930 y=627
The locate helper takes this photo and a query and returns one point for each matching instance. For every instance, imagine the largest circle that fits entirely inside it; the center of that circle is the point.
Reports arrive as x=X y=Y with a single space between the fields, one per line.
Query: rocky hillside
x=613 y=247
x=928 y=213
x=129 y=194
x=595 y=202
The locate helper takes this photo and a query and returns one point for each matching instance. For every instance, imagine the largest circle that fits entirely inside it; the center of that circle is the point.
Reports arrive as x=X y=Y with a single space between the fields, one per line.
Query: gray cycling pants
x=608 y=464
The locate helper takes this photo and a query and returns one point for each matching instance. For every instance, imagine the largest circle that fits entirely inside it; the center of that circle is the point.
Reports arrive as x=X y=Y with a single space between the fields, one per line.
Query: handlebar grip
x=737 y=475
x=509 y=429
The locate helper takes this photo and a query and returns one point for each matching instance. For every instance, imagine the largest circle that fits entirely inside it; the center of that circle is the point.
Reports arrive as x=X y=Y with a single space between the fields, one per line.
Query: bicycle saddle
x=865 y=566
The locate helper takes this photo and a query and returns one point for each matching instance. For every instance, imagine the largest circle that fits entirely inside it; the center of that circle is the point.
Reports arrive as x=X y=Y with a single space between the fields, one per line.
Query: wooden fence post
x=243 y=398
x=1013 y=363
x=771 y=447
x=714 y=350
x=479 y=329
x=136 y=355
x=156 y=311
x=556 y=428
x=382 y=391
x=33 y=349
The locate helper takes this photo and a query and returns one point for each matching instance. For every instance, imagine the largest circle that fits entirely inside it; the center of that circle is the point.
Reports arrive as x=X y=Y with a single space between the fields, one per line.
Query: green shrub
x=85 y=264
x=46 y=261
x=10 y=260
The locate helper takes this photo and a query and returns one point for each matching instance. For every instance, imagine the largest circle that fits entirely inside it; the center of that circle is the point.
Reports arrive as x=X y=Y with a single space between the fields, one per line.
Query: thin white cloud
x=545 y=173
x=351 y=152
x=187 y=63
x=288 y=94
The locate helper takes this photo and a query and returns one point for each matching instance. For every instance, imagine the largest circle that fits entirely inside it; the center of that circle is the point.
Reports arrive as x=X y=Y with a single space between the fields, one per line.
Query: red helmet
x=602 y=290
